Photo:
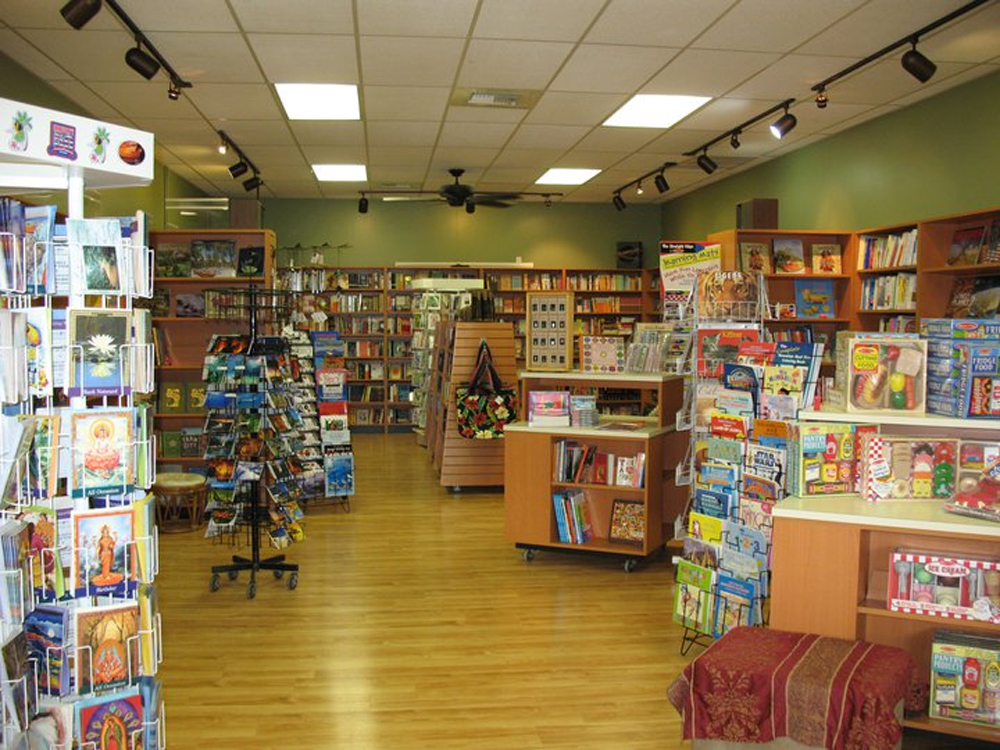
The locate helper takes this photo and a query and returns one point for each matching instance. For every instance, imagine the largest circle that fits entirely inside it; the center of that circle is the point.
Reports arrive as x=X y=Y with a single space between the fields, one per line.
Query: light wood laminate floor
x=416 y=625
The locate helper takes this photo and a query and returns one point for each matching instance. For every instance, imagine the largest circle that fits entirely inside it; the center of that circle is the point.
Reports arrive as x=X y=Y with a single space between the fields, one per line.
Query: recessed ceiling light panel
x=319 y=101
x=655 y=110
x=560 y=176
x=340 y=172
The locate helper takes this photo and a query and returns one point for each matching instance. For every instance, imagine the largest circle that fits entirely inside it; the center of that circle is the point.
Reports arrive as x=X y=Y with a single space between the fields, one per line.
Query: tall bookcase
x=183 y=339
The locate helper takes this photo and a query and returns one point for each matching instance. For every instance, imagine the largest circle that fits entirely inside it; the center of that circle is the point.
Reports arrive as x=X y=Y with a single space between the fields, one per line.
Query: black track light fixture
x=661 y=183
x=141 y=61
x=707 y=163
x=223 y=147
x=363 y=204
x=254 y=183
x=238 y=169
x=917 y=64
x=619 y=202
x=638 y=188
x=734 y=139
x=79 y=12
x=173 y=93
x=822 y=99
x=470 y=207
x=784 y=125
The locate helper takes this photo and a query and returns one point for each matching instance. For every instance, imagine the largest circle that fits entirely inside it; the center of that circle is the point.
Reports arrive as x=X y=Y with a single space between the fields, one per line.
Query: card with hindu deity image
x=107 y=648
x=104 y=552
x=98 y=356
x=111 y=722
x=102 y=452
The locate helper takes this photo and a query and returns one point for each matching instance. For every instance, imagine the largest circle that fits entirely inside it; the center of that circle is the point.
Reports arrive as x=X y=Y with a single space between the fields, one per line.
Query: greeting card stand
x=255 y=513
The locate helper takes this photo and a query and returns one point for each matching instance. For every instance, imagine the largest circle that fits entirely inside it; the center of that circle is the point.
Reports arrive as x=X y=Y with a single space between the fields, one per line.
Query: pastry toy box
x=965 y=678
x=960 y=328
x=898 y=467
x=887 y=375
x=961 y=588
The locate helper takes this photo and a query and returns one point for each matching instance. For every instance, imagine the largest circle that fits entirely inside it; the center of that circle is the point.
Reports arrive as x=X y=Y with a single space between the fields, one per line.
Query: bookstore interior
x=413 y=489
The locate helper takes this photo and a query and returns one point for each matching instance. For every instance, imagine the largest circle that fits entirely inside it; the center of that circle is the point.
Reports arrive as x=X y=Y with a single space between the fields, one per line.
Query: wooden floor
x=416 y=625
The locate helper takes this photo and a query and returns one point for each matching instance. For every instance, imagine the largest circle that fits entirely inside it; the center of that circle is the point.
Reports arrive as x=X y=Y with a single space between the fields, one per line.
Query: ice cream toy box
x=961 y=588
x=887 y=375
x=965 y=678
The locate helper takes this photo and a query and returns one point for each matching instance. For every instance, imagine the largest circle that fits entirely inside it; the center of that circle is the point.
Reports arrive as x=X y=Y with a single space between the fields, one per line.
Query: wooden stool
x=178 y=494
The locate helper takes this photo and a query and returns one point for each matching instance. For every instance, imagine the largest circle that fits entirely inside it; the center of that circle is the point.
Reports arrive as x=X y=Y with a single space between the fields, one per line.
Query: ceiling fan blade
x=492 y=203
x=497 y=196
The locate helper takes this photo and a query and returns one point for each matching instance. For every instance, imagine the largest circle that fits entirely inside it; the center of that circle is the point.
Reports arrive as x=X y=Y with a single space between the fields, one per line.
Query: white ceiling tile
x=974 y=38
x=618 y=139
x=676 y=141
x=870 y=113
x=402 y=133
x=332 y=133
x=491 y=63
x=306 y=58
x=412 y=174
x=773 y=25
x=792 y=75
x=334 y=154
x=466 y=157
x=475 y=134
x=640 y=163
x=884 y=81
x=296 y=16
x=415 y=17
x=581 y=158
x=439 y=175
x=485 y=114
x=257 y=132
x=725 y=113
x=405 y=102
x=399 y=155
x=176 y=131
x=209 y=58
x=100 y=53
x=28 y=56
x=938 y=84
x=285 y=171
x=573 y=108
x=698 y=72
x=874 y=25
x=181 y=15
x=294 y=188
x=34 y=14
x=146 y=97
x=409 y=61
x=236 y=101
x=547 y=136
x=516 y=176
x=655 y=22
x=91 y=102
x=814 y=120
x=192 y=155
x=535 y=158
x=553 y=20
x=611 y=69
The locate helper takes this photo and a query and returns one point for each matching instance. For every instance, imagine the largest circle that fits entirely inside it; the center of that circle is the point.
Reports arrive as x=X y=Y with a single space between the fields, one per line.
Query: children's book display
x=334 y=423
x=79 y=630
x=252 y=432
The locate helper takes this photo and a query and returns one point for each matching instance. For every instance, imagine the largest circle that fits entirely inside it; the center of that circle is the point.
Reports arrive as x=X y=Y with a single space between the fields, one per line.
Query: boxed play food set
x=965 y=678
x=886 y=375
x=962 y=588
x=901 y=467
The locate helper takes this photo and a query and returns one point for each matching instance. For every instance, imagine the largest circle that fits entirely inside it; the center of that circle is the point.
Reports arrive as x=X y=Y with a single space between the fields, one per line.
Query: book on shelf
x=966 y=244
x=574 y=517
x=887 y=251
x=826 y=259
x=190 y=305
x=815 y=298
x=718 y=345
x=974 y=297
x=548 y=408
x=250 y=261
x=171 y=398
x=789 y=256
x=990 y=252
x=755 y=257
x=211 y=259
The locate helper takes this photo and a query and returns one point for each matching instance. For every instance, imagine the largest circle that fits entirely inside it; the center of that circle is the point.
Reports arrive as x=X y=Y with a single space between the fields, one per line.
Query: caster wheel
x=251 y=590
x=293 y=581
x=279 y=574
x=528 y=555
x=629 y=565
x=232 y=574
x=214 y=583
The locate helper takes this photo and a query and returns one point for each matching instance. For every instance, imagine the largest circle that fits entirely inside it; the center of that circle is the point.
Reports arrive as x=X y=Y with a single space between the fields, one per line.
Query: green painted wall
x=937 y=157
x=574 y=235
x=18 y=84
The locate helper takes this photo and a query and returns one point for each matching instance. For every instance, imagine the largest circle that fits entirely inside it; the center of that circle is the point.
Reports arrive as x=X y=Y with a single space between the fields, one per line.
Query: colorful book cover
x=104 y=552
x=102 y=451
x=339 y=471
x=716 y=346
x=111 y=722
x=38 y=352
x=211 y=259
x=729 y=295
x=46 y=567
x=171 y=398
x=693 y=605
x=104 y=659
x=96 y=268
x=814 y=299
x=965 y=246
x=39 y=228
x=827 y=259
x=99 y=361
x=755 y=257
x=43 y=461
x=250 y=261
x=705 y=528
x=602 y=354
x=19 y=679
x=715 y=504
x=735 y=604
x=46 y=629
x=789 y=256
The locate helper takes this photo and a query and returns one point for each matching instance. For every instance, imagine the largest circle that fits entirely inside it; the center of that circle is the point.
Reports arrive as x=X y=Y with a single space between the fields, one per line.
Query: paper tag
x=881 y=489
x=880 y=469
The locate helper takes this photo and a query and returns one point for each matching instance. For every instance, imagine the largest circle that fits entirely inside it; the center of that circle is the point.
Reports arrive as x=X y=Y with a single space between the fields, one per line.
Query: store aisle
x=415 y=625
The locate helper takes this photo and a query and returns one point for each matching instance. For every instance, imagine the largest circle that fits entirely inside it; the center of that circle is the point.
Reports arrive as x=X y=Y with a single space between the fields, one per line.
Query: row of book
x=604 y=282
x=892 y=292
x=208 y=259
x=530 y=281
x=610 y=305
x=887 y=250
x=587 y=464
x=574 y=518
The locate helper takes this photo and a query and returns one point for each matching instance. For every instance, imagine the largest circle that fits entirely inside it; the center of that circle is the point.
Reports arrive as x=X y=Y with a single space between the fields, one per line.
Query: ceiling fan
x=458 y=194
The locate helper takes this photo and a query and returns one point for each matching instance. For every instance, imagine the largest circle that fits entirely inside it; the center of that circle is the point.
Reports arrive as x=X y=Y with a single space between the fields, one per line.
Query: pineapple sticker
x=98 y=147
x=19 y=132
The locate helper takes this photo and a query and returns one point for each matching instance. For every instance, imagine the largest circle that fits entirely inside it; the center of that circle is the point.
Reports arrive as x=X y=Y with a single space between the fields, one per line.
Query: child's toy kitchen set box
x=961 y=588
x=965 y=678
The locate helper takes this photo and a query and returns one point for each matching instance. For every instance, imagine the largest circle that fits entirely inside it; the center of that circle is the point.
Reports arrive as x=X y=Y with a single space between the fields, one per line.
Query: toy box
x=887 y=375
x=957 y=587
x=837 y=398
x=826 y=458
x=947 y=387
x=897 y=467
x=960 y=328
x=965 y=678
x=981 y=381
x=946 y=406
x=974 y=458
x=943 y=368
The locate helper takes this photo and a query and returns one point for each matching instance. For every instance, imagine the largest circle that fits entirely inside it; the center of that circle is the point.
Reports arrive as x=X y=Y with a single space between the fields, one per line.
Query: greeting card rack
x=246 y=391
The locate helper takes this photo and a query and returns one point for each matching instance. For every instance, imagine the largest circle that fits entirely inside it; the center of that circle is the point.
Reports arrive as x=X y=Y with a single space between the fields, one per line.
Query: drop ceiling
x=410 y=58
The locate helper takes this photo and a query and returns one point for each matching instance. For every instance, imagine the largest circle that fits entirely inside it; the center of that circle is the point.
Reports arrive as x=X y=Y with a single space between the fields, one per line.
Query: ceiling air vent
x=493 y=99
x=516 y=99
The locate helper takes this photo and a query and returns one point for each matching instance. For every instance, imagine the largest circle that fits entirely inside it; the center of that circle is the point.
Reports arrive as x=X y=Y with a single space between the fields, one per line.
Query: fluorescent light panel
x=561 y=176
x=655 y=110
x=340 y=172
x=319 y=101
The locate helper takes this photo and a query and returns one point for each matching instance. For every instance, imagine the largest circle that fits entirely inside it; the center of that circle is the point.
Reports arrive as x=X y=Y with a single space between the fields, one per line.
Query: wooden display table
x=180 y=501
